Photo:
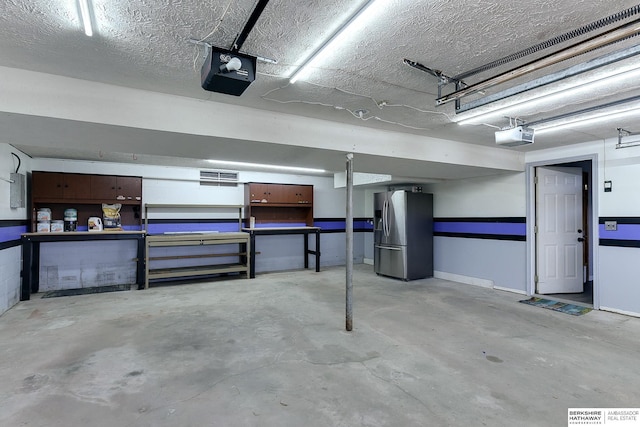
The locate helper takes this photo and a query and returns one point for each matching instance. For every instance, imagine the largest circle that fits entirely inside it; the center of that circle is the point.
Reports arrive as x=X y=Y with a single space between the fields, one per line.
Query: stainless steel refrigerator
x=403 y=234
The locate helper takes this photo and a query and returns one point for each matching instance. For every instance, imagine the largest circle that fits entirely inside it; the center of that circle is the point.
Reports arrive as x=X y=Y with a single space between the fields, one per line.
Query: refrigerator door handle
x=387 y=230
x=384 y=218
x=391 y=248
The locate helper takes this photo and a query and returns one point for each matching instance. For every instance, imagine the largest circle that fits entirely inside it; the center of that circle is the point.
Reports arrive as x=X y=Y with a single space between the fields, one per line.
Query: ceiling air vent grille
x=219 y=178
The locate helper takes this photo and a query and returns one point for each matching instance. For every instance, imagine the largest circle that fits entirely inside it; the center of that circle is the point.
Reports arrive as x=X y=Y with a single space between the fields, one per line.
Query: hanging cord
x=197 y=48
x=554 y=41
x=19 y=161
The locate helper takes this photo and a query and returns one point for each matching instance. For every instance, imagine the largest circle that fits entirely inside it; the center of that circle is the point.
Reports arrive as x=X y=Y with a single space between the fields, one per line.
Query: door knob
x=580 y=239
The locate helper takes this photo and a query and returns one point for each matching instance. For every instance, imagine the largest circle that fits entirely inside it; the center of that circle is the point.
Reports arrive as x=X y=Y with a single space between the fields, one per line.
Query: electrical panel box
x=17 y=191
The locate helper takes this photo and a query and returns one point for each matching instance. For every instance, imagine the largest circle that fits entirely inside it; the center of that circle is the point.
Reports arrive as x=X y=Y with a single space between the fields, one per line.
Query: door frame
x=593 y=231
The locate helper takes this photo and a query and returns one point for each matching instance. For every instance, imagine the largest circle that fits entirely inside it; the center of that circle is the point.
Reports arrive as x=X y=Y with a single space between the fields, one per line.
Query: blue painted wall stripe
x=627 y=234
x=513 y=229
x=501 y=219
x=624 y=232
x=12 y=222
x=12 y=233
x=493 y=228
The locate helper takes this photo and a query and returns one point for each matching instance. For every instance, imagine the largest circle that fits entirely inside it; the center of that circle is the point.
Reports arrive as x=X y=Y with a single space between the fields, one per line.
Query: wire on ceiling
x=380 y=104
x=212 y=32
x=226 y=9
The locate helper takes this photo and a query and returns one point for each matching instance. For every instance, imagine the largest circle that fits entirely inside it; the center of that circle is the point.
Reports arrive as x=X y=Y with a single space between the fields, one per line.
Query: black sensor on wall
x=221 y=73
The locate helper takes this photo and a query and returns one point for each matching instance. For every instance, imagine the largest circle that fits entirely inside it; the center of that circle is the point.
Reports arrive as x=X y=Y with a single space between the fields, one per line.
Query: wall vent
x=219 y=178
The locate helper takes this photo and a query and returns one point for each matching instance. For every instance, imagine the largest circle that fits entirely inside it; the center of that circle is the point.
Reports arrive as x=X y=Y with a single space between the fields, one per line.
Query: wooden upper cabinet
x=52 y=186
x=258 y=193
x=116 y=188
x=280 y=194
x=56 y=185
x=303 y=194
x=268 y=193
x=129 y=188
x=46 y=185
x=279 y=203
x=103 y=187
x=76 y=186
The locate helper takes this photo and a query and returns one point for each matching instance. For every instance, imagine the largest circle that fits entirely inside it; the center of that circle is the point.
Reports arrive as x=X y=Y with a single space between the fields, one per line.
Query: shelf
x=201 y=270
x=195 y=239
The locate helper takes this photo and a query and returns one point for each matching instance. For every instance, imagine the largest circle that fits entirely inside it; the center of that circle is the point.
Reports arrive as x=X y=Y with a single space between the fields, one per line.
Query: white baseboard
x=368 y=261
x=615 y=310
x=515 y=291
x=463 y=279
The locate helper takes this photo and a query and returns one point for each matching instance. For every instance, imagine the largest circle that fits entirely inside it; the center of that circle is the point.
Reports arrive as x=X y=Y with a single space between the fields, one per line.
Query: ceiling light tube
x=85 y=17
x=614 y=76
x=266 y=166
x=362 y=15
x=585 y=120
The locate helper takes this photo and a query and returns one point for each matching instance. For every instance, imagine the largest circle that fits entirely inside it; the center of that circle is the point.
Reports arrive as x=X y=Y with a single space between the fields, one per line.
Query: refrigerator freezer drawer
x=391 y=261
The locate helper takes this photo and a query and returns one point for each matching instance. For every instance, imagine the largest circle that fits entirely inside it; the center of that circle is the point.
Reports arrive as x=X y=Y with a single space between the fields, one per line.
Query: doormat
x=575 y=310
x=86 y=291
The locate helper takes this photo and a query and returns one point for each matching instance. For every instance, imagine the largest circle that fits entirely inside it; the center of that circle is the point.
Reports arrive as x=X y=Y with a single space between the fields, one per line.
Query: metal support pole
x=349 y=234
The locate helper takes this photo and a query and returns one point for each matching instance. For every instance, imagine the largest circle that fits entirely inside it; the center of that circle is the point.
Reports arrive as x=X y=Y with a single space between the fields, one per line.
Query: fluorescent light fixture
x=355 y=23
x=554 y=95
x=587 y=119
x=85 y=17
x=265 y=166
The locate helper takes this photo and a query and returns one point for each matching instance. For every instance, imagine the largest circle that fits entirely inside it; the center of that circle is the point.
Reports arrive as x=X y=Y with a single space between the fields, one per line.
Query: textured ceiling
x=145 y=44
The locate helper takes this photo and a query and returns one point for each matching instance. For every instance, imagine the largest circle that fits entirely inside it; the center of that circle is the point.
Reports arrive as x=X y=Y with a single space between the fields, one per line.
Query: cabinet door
x=103 y=187
x=258 y=193
x=303 y=194
x=47 y=185
x=76 y=186
x=279 y=194
x=129 y=188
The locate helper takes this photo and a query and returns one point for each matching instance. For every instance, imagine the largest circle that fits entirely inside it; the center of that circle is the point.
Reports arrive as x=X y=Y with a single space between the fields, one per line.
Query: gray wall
x=501 y=262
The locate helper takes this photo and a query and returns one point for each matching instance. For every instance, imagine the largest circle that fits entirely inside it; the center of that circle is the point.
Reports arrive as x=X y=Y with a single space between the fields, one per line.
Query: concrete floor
x=273 y=352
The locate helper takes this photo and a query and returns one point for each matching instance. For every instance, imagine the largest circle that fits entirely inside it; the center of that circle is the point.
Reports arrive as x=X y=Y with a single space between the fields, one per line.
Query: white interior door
x=559 y=237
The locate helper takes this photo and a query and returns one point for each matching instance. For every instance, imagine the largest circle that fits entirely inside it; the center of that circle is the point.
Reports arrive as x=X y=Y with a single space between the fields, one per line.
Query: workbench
x=191 y=239
x=31 y=253
x=270 y=231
